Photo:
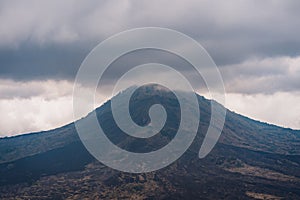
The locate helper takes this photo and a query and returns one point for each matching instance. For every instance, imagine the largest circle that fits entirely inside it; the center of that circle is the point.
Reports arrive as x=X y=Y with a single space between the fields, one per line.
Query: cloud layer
x=34 y=106
x=266 y=75
x=255 y=44
x=51 y=38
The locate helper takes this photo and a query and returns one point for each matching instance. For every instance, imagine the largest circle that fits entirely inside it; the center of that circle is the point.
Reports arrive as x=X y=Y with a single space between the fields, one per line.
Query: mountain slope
x=252 y=159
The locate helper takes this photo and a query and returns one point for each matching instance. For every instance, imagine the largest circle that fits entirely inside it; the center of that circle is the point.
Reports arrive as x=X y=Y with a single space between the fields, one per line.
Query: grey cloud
x=33 y=62
x=11 y=93
x=271 y=75
x=49 y=40
x=47 y=90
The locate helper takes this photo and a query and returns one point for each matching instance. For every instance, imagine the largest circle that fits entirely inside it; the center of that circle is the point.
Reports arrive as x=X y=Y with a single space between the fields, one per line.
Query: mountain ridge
x=251 y=159
x=68 y=130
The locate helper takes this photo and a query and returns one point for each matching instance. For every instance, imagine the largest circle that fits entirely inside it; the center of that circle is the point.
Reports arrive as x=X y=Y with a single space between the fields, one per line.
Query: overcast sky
x=255 y=44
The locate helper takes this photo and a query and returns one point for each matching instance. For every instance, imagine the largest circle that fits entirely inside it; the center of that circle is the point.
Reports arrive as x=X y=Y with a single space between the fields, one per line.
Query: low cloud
x=35 y=114
x=266 y=76
x=281 y=108
x=34 y=106
x=49 y=90
x=37 y=105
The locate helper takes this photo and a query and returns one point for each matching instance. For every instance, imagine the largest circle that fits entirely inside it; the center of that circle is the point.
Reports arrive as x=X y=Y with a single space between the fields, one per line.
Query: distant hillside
x=251 y=160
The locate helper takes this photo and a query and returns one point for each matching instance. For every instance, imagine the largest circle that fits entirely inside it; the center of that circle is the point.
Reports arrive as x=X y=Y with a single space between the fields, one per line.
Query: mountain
x=252 y=160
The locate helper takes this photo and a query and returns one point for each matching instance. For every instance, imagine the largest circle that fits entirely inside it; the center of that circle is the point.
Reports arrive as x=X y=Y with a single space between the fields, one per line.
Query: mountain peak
x=148 y=89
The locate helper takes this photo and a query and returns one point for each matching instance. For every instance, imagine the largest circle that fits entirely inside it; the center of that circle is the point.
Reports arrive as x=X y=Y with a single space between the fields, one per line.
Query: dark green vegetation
x=252 y=160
